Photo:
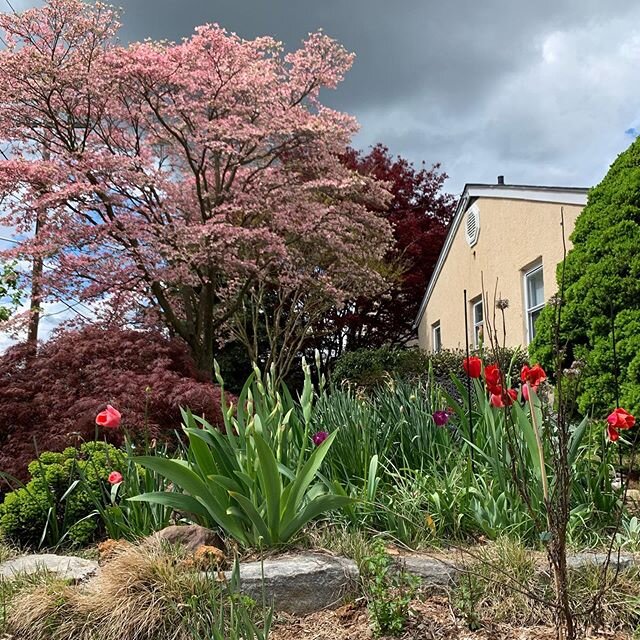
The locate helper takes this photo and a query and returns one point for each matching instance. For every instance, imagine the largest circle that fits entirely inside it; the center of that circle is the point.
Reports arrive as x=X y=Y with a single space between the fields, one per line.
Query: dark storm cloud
x=544 y=91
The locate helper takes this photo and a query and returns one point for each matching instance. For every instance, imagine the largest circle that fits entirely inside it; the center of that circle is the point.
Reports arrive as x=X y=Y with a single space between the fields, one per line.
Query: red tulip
x=109 y=418
x=493 y=379
x=534 y=375
x=496 y=400
x=115 y=477
x=621 y=419
x=472 y=366
x=616 y=420
x=613 y=433
x=500 y=400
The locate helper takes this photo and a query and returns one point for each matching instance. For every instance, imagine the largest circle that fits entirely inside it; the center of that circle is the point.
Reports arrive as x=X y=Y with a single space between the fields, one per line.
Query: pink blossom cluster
x=170 y=177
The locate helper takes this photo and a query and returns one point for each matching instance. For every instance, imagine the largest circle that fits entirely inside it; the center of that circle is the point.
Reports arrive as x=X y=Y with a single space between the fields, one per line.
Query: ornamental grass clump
x=505 y=583
x=144 y=592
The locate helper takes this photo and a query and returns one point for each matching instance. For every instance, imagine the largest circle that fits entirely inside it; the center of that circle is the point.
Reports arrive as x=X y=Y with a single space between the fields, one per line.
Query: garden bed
x=431 y=619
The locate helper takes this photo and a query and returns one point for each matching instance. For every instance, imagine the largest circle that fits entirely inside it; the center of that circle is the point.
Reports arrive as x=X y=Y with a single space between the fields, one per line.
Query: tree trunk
x=36 y=274
x=36 y=297
x=202 y=353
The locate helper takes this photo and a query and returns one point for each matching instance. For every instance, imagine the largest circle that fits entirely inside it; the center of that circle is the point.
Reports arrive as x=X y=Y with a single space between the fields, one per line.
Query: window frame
x=529 y=310
x=436 y=329
x=476 y=326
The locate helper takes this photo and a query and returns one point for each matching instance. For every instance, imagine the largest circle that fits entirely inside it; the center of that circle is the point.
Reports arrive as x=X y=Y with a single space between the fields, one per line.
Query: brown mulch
x=431 y=619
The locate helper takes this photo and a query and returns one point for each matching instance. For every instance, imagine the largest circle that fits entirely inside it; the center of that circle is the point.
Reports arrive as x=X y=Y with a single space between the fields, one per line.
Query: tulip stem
x=536 y=430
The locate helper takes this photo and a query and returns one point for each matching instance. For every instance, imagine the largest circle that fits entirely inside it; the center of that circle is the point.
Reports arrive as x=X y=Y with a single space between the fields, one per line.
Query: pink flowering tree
x=168 y=180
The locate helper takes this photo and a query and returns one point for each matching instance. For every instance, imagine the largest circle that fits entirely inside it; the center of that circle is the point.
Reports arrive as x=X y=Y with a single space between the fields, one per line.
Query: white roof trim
x=561 y=195
x=535 y=194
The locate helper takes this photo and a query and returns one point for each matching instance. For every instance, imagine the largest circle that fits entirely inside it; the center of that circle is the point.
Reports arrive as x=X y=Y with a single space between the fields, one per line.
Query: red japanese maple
x=419 y=213
x=50 y=400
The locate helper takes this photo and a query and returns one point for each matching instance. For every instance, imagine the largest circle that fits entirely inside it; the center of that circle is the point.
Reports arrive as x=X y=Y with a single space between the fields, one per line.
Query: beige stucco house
x=510 y=237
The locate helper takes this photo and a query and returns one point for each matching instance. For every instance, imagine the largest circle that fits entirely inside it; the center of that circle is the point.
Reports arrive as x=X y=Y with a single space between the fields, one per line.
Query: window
x=477 y=316
x=436 y=337
x=534 y=298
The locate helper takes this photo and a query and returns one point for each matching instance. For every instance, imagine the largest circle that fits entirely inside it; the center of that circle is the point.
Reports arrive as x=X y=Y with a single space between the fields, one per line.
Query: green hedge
x=370 y=367
x=601 y=276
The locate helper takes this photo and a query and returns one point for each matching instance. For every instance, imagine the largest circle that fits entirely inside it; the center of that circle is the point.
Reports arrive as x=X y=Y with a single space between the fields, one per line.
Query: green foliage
x=10 y=294
x=394 y=422
x=55 y=505
x=602 y=271
x=258 y=480
x=500 y=507
x=629 y=535
x=415 y=482
x=370 y=368
x=120 y=517
x=223 y=613
x=389 y=591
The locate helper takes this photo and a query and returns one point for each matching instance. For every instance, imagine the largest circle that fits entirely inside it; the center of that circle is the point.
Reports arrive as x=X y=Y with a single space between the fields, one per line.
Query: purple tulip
x=319 y=438
x=440 y=418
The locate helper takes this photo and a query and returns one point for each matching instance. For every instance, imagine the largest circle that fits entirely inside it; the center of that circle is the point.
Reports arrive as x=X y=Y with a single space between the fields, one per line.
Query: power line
x=75 y=301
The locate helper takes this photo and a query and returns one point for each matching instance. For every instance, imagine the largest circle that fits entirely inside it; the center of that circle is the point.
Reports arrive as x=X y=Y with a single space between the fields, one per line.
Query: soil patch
x=431 y=619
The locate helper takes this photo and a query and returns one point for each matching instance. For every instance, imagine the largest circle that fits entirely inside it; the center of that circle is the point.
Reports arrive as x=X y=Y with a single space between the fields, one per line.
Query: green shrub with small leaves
x=55 y=504
x=389 y=591
x=369 y=368
x=600 y=278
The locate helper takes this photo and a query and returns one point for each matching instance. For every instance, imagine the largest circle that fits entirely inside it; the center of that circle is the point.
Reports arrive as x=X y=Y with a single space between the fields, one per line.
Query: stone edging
x=297 y=583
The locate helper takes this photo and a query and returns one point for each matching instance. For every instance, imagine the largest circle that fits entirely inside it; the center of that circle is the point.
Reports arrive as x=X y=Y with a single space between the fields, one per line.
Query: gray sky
x=544 y=92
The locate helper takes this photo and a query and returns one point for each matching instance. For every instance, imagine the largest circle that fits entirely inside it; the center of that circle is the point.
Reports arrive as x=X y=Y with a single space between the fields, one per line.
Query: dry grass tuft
x=501 y=586
x=6 y=551
x=37 y=614
x=620 y=606
x=508 y=586
x=141 y=594
x=110 y=548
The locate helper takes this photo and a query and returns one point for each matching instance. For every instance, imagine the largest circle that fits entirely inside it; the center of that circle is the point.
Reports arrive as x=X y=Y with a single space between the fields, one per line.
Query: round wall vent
x=472 y=225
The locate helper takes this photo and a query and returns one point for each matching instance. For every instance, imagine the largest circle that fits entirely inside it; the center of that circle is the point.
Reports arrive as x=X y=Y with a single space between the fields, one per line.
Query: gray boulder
x=64 y=567
x=299 y=583
x=433 y=572
x=586 y=559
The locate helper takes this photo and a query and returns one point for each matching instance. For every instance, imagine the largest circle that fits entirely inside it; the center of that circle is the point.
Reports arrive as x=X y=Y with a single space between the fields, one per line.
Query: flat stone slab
x=587 y=559
x=441 y=573
x=299 y=583
x=433 y=572
x=64 y=567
